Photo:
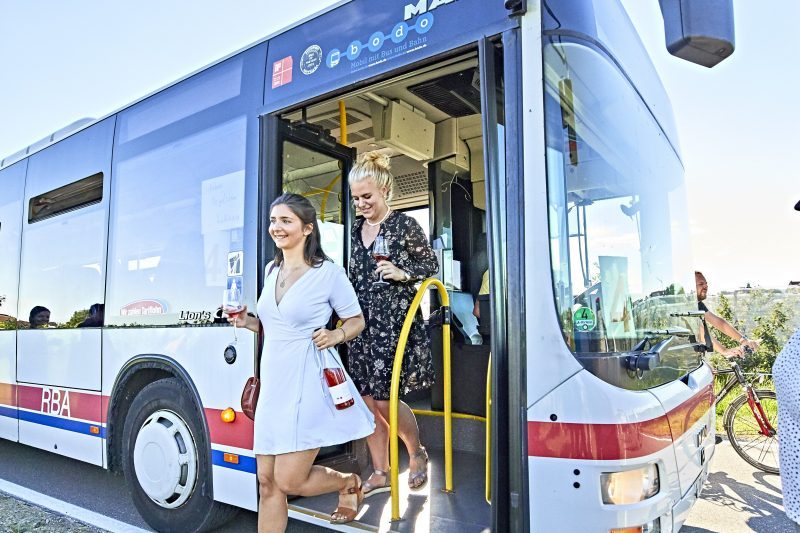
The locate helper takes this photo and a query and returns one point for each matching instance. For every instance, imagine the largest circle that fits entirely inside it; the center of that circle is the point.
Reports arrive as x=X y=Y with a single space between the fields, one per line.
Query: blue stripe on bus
x=62 y=423
x=246 y=464
x=10 y=412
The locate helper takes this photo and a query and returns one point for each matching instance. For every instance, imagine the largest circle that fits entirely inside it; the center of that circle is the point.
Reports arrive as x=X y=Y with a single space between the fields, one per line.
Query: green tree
x=770 y=321
x=76 y=318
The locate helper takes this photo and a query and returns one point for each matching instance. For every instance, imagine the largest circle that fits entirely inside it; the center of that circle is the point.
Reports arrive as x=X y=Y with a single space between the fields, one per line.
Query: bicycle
x=751 y=421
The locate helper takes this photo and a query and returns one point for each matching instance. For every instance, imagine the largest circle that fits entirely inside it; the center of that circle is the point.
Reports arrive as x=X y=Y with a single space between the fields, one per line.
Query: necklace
x=381 y=221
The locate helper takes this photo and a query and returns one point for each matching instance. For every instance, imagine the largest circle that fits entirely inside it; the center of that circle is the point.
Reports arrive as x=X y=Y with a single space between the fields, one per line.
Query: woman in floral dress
x=371 y=354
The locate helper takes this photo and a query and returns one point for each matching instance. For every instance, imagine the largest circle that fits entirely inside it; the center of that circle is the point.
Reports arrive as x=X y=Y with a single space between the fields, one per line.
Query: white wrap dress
x=295 y=411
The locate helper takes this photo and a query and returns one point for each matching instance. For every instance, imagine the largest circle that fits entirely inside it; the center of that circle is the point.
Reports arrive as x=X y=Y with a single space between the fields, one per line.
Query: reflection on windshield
x=618 y=219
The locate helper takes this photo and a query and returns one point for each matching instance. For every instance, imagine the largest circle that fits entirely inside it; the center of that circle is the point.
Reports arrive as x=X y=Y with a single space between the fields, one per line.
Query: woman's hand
x=325 y=338
x=243 y=320
x=750 y=343
x=736 y=351
x=390 y=272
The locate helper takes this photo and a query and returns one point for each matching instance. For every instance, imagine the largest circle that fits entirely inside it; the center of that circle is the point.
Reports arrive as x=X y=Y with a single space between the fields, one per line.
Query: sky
x=62 y=61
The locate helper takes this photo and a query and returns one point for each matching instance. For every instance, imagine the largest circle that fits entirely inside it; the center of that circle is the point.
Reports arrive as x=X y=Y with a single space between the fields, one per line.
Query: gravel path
x=17 y=516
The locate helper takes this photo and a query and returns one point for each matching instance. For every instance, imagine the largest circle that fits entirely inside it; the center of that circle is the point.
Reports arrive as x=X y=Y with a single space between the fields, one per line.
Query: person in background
x=95 y=317
x=296 y=416
x=721 y=324
x=371 y=354
x=39 y=317
x=483 y=290
x=786 y=374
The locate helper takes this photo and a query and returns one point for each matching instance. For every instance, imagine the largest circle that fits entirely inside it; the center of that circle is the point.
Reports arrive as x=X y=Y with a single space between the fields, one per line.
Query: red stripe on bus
x=238 y=433
x=81 y=404
x=8 y=394
x=607 y=442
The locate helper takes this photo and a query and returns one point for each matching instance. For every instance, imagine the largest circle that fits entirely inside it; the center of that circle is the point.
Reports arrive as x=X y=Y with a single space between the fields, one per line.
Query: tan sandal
x=369 y=488
x=348 y=514
x=418 y=480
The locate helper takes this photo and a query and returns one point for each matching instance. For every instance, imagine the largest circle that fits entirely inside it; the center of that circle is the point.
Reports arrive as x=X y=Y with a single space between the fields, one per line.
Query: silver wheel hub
x=165 y=459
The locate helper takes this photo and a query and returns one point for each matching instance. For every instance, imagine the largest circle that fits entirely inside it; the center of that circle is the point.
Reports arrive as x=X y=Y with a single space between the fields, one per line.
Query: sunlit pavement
x=738 y=498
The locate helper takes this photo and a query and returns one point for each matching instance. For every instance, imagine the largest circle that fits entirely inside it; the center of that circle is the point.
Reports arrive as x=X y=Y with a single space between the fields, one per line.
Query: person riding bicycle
x=721 y=324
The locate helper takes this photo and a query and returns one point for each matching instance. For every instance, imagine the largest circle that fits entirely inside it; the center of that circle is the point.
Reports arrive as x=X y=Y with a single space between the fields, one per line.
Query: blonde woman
x=371 y=354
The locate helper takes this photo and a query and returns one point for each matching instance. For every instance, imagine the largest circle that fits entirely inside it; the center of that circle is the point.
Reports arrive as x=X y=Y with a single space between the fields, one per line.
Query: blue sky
x=62 y=61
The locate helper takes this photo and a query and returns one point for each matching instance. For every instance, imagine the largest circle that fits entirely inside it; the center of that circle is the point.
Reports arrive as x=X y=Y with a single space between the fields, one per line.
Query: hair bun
x=380 y=160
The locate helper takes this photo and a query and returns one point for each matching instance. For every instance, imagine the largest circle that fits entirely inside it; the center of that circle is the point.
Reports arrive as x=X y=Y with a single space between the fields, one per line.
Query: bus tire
x=166 y=459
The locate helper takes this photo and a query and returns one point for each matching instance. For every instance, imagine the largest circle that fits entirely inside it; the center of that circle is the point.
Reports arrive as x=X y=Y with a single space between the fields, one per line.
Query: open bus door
x=304 y=159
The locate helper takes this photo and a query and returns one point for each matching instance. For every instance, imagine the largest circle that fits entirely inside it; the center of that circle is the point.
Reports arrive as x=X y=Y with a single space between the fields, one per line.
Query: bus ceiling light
x=629 y=486
x=228 y=415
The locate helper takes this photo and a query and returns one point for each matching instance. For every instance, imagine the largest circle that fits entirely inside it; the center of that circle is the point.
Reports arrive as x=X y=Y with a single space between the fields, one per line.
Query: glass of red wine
x=232 y=306
x=380 y=252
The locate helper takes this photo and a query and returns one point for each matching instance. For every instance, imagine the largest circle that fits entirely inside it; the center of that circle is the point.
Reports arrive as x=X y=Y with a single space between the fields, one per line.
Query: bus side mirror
x=699 y=31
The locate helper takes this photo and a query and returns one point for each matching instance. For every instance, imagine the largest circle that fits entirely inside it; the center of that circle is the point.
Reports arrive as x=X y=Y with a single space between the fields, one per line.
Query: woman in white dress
x=786 y=373
x=295 y=415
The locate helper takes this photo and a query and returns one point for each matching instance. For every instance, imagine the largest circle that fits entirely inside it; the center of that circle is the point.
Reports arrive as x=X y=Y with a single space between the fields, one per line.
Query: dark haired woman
x=296 y=415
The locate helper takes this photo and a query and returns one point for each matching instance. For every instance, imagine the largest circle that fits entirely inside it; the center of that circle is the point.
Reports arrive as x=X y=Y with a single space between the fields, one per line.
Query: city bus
x=535 y=144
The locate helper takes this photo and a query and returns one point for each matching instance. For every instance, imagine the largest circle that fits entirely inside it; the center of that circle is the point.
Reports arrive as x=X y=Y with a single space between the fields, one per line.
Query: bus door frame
x=506 y=245
x=274 y=131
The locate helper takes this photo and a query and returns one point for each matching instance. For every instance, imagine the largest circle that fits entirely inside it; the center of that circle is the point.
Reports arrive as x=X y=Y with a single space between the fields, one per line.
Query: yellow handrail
x=394 y=399
x=488 y=470
x=342 y=140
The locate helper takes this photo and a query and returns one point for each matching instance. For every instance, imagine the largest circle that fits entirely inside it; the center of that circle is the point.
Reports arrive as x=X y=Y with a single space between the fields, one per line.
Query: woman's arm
x=422 y=261
x=243 y=320
x=350 y=329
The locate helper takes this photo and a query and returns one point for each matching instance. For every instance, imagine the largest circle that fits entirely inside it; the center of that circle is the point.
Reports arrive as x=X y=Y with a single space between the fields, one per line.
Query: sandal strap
x=382 y=473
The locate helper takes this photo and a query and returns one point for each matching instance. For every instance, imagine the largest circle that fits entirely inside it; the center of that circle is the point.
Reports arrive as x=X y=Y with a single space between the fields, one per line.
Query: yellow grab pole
x=394 y=398
x=489 y=431
x=342 y=140
x=342 y=123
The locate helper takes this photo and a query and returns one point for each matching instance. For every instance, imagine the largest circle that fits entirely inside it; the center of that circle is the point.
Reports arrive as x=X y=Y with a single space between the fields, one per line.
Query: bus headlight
x=629 y=486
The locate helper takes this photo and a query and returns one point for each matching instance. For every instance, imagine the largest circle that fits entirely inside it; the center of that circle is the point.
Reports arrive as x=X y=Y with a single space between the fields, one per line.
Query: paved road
x=737 y=498
x=92 y=487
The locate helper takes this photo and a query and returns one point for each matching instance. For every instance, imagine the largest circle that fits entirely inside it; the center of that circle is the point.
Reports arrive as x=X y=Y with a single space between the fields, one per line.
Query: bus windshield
x=618 y=220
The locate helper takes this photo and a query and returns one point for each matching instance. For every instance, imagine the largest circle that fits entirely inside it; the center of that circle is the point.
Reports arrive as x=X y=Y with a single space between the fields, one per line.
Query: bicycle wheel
x=745 y=435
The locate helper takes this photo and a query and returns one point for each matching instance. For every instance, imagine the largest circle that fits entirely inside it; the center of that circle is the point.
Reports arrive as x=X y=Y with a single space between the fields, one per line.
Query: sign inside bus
x=364 y=38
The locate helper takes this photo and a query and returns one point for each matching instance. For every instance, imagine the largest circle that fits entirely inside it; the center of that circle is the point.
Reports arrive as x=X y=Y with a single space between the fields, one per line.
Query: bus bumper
x=680 y=512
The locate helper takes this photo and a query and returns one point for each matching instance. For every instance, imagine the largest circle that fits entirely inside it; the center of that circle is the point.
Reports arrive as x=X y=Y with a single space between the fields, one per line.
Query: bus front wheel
x=166 y=460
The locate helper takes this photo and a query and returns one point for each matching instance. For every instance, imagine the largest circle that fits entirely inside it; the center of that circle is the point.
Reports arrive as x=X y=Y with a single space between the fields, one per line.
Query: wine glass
x=380 y=251
x=232 y=305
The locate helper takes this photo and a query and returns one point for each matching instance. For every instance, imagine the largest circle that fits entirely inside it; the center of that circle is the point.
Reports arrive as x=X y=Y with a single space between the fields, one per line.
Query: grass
x=769 y=407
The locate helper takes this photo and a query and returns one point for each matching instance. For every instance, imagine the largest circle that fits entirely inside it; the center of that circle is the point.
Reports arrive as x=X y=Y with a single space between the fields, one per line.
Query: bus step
x=429 y=509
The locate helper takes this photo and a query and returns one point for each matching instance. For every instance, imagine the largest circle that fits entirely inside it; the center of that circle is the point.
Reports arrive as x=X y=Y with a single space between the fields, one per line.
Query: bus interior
x=429 y=122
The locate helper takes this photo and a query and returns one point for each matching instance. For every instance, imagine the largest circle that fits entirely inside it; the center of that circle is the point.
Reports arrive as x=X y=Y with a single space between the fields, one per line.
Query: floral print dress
x=371 y=354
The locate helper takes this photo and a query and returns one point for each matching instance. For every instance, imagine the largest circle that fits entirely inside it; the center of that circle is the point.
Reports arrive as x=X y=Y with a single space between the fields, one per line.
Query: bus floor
x=430 y=509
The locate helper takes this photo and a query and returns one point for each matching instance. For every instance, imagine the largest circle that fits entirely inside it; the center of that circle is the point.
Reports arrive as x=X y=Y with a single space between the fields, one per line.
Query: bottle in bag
x=337 y=383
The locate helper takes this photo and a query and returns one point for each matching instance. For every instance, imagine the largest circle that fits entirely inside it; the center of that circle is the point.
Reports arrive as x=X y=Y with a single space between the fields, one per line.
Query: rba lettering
x=423 y=6
x=55 y=402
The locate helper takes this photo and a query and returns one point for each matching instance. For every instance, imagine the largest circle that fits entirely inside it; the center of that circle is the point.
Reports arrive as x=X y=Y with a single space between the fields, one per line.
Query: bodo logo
x=399 y=33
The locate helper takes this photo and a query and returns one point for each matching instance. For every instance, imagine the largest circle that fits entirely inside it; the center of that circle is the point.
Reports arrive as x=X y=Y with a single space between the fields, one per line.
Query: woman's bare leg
x=378 y=442
x=407 y=429
x=273 y=512
x=296 y=474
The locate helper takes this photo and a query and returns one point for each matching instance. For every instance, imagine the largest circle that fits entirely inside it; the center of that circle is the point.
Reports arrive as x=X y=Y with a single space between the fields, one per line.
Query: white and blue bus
x=533 y=140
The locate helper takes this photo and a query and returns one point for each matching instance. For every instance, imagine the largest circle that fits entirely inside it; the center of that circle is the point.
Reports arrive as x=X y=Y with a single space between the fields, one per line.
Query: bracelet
x=344 y=334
